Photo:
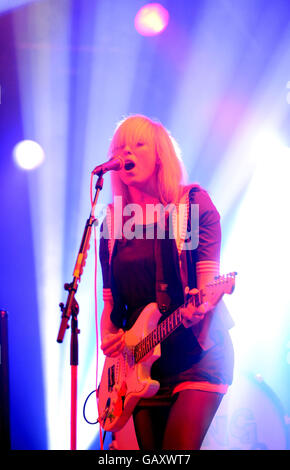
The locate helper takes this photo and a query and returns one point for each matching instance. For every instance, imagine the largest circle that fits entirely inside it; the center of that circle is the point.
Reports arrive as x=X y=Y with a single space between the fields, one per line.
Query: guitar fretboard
x=217 y=288
x=163 y=330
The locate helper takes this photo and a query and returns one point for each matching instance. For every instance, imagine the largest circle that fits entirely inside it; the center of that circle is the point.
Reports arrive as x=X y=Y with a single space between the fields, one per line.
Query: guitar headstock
x=228 y=281
x=223 y=284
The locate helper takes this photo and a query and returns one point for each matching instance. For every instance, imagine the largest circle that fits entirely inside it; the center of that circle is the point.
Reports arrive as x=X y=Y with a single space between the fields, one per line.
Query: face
x=140 y=151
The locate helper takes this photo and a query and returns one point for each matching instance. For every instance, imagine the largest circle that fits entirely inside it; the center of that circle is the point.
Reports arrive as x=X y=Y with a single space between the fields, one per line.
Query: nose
x=127 y=151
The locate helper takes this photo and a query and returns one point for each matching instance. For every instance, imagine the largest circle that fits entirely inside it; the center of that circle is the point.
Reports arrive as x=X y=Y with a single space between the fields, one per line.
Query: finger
x=113 y=343
x=114 y=350
x=195 y=315
x=188 y=322
x=193 y=291
x=190 y=310
x=205 y=307
x=113 y=354
x=190 y=316
x=111 y=338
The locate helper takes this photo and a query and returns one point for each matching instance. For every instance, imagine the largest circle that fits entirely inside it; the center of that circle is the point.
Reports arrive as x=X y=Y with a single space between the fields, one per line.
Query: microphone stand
x=71 y=310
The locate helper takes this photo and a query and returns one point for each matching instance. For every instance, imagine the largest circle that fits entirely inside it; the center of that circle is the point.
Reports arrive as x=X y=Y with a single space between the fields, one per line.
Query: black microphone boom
x=115 y=164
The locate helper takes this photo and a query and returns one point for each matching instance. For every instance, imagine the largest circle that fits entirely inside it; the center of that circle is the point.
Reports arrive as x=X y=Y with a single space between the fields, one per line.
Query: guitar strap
x=169 y=290
x=162 y=296
x=172 y=261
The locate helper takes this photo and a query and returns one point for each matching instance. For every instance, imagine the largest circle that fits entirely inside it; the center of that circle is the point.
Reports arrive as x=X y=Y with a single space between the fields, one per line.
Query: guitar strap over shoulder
x=169 y=289
x=162 y=296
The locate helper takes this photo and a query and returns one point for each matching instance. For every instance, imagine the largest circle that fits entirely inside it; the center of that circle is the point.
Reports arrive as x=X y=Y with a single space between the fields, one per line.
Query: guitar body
x=124 y=382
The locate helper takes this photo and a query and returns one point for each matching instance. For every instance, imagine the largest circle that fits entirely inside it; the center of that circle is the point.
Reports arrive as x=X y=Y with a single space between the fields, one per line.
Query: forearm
x=206 y=271
x=112 y=338
x=107 y=327
x=205 y=274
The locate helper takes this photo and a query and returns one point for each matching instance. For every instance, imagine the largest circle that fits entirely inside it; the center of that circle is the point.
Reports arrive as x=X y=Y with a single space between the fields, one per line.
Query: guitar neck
x=164 y=329
x=212 y=292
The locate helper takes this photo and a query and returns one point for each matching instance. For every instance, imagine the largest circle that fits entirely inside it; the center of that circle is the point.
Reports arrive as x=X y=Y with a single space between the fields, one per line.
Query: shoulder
x=194 y=191
x=198 y=195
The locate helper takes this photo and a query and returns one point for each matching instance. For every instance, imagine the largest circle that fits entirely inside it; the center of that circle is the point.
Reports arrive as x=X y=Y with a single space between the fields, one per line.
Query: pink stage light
x=151 y=19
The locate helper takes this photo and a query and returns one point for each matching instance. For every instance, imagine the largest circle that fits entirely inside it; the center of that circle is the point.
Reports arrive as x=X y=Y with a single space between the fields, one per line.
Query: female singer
x=196 y=363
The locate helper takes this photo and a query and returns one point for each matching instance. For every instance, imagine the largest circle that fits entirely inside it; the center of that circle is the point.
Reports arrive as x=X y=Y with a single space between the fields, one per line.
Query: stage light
x=288 y=93
x=28 y=154
x=151 y=19
x=259 y=235
x=11 y=4
x=288 y=353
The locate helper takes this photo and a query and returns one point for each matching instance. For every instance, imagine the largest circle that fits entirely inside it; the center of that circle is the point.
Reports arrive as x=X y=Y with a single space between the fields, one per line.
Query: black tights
x=181 y=425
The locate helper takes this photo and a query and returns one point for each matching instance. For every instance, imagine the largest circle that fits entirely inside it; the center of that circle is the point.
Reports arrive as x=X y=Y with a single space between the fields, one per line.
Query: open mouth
x=129 y=165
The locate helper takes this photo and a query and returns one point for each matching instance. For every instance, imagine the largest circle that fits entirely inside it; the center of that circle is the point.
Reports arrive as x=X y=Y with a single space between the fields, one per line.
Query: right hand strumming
x=113 y=343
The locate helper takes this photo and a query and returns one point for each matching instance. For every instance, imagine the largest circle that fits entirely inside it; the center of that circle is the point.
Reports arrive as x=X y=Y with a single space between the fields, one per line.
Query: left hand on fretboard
x=194 y=311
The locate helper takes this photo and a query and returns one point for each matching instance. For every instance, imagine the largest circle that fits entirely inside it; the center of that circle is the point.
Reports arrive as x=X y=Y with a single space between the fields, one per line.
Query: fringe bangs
x=171 y=175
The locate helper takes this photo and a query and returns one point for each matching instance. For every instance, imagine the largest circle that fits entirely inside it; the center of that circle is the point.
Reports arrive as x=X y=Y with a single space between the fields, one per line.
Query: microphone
x=115 y=164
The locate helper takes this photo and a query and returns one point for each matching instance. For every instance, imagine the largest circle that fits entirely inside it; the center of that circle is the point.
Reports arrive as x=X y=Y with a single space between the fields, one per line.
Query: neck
x=143 y=198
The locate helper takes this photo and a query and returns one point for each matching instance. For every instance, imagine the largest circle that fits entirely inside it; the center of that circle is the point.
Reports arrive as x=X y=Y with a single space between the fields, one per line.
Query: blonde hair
x=171 y=173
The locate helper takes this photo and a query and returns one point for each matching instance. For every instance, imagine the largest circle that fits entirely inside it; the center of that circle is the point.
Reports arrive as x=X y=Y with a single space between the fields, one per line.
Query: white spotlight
x=28 y=154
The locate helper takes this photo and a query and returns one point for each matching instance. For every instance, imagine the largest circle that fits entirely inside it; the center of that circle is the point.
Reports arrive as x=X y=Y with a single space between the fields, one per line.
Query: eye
x=117 y=150
x=140 y=144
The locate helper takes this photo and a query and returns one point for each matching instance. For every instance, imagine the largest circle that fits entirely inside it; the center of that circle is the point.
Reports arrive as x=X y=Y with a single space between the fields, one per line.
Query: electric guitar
x=126 y=378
